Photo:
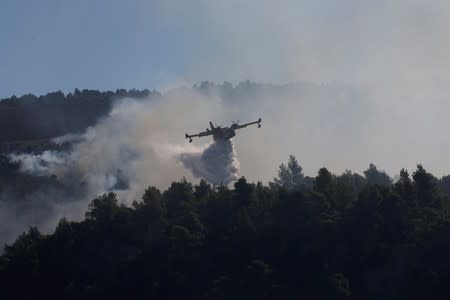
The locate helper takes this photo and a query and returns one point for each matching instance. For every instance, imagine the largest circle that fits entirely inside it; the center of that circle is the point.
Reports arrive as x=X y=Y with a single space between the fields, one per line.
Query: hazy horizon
x=61 y=45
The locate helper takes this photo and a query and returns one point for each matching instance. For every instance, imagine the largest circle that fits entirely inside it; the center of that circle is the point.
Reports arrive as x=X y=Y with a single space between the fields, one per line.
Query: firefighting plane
x=220 y=132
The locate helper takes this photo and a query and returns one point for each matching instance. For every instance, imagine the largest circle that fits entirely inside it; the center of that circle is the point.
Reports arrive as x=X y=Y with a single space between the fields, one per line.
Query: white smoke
x=217 y=163
x=67 y=138
x=40 y=164
x=140 y=143
x=137 y=145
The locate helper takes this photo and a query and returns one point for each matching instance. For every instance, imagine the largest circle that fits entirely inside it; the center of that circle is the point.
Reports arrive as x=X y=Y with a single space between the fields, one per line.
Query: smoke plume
x=141 y=143
x=217 y=163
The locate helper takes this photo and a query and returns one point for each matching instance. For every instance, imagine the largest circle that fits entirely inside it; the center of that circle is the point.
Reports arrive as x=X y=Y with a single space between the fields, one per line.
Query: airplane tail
x=211 y=125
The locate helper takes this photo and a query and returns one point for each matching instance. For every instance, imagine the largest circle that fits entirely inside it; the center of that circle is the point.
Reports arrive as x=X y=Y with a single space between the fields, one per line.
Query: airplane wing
x=247 y=124
x=204 y=133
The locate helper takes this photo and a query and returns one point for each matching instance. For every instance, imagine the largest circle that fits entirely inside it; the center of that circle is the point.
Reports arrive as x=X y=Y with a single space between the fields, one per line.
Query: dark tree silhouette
x=28 y=121
x=290 y=176
x=374 y=176
x=344 y=237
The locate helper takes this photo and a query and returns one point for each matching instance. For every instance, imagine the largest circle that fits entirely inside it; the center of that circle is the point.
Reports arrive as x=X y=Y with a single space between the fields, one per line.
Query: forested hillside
x=30 y=117
x=328 y=237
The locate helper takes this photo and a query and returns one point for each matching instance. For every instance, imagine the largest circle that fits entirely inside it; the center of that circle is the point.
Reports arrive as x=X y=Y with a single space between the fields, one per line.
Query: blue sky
x=50 y=45
x=61 y=45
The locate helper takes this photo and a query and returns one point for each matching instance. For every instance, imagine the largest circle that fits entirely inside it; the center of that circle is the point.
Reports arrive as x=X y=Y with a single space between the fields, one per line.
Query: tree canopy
x=56 y=114
x=342 y=237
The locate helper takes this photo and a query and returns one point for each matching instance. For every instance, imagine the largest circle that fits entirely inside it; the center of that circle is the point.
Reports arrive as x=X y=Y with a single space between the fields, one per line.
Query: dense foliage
x=333 y=237
x=328 y=237
x=30 y=117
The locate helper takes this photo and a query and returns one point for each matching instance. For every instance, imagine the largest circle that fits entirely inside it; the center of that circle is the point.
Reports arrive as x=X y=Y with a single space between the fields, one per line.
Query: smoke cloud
x=40 y=164
x=217 y=163
x=141 y=143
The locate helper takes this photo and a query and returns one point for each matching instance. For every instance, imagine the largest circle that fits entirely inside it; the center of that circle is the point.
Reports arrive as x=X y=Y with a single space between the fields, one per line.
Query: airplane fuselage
x=223 y=133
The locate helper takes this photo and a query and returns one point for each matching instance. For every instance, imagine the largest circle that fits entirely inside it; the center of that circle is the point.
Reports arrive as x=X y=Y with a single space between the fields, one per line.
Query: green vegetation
x=328 y=237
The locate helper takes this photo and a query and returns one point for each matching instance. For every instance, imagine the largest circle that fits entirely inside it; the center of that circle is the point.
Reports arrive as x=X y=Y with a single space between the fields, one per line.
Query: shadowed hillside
x=36 y=118
x=328 y=237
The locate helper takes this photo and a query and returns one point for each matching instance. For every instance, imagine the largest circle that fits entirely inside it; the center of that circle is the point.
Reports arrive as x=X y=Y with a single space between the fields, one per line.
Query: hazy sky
x=49 y=45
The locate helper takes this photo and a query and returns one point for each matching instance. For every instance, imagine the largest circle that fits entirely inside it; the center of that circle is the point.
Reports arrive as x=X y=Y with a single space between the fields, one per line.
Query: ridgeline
x=29 y=118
